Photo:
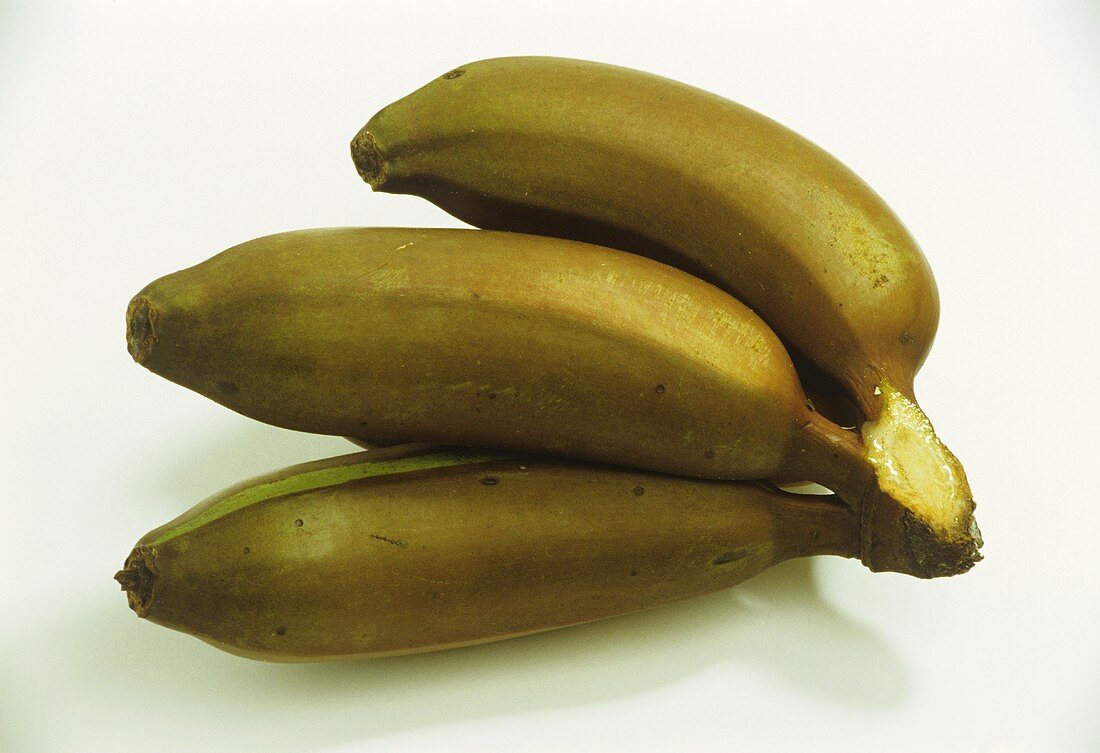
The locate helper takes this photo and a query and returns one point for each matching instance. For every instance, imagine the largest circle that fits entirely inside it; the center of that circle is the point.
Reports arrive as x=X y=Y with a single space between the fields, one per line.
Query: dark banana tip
x=141 y=328
x=368 y=158
x=137 y=580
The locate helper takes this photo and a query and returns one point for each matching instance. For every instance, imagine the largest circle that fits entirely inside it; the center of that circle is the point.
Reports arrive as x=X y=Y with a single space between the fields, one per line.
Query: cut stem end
x=894 y=540
x=920 y=519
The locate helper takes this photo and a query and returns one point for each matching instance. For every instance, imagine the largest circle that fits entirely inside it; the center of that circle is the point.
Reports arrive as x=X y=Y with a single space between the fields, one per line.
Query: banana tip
x=368 y=158
x=141 y=328
x=138 y=580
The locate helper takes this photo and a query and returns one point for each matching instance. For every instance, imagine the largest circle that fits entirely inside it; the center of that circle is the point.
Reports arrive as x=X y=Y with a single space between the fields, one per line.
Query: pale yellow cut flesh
x=916 y=468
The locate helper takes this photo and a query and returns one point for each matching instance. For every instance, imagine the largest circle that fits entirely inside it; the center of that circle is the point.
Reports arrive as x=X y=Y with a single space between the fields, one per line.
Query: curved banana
x=634 y=161
x=393 y=551
x=537 y=345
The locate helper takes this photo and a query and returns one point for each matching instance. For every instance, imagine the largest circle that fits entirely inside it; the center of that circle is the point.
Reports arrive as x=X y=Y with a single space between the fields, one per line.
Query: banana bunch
x=589 y=398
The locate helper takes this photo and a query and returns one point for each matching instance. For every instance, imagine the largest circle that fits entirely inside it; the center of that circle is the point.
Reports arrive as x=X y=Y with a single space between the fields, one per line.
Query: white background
x=139 y=138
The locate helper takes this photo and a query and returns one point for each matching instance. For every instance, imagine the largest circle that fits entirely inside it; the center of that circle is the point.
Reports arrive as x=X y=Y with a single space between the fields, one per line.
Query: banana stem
x=892 y=536
x=834 y=458
x=867 y=392
x=819 y=525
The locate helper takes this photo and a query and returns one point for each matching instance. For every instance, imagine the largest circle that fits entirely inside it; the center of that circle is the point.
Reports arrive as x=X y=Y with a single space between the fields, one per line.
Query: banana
x=393 y=551
x=535 y=345
x=634 y=161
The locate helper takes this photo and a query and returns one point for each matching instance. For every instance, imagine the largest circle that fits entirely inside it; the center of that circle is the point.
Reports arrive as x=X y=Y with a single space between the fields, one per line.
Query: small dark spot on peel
x=475 y=296
x=709 y=454
x=280 y=630
x=247 y=550
x=639 y=491
x=492 y=396
x=659 y=389
x=451 y=75
x=228 y=388
x=633 y=572
x=298 y=523
x=386 y=539
x=725 y=558
x=906 y=338
x=489 y=480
